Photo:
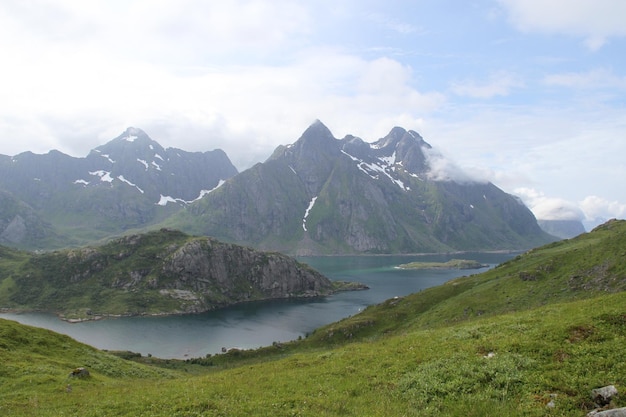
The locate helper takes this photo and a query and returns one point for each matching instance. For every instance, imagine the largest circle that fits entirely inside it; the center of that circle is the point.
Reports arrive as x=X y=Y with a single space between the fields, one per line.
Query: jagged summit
x=317 y=132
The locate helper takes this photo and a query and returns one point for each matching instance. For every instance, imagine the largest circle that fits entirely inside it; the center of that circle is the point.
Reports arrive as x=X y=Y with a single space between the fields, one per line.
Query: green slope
x=551 y=327
x=587 y=266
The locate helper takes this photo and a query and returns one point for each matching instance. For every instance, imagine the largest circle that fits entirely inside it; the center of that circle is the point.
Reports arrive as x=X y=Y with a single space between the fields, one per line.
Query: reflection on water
x=258 y=324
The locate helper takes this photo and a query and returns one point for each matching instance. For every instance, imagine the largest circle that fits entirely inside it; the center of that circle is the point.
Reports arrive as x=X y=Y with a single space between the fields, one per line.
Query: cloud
x=598 y=208
x=499 y=84
x=593 y=20
x=549 y=208
x=592 y=209
x=442 y=168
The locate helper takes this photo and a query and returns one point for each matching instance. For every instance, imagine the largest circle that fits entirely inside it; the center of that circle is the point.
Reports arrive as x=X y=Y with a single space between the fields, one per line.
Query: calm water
x=259 y=324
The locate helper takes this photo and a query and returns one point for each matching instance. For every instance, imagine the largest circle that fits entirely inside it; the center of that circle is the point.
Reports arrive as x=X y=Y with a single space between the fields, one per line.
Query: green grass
x=551 y=327
x=561 y=350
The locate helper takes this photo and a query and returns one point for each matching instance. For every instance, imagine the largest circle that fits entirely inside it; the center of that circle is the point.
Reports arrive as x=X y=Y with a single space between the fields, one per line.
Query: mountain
x=161 y=272
x=19 y=223
x=130 y=182
x=564 y=229
x=322 y=195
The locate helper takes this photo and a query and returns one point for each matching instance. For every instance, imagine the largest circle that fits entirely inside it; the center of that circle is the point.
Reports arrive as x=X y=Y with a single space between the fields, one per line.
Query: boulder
x=603 y=396
x=616 y=412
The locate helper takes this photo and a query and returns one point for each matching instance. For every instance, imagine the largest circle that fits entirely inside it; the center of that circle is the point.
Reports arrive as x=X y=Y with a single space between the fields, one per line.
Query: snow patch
x=130 y=138
x=164 y=199
x=144 y=163
x=306 y=213
x=157 y=166
x=121 y=178
x=373 y=170
x=389 y=160
x=104 y=175
x=83 y=182
x=108 y=157
x=293 y=170
x=205 y=192
x=156 y=155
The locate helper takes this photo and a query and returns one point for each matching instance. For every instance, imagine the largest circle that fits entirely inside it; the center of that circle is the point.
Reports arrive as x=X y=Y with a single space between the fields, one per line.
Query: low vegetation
x=531 y=337
x=451 y=264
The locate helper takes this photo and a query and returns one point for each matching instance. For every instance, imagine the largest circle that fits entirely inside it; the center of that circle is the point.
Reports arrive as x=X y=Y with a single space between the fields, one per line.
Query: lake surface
x=258 y=324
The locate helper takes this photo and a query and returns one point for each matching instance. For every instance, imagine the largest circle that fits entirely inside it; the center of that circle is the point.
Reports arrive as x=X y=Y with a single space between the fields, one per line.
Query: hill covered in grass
x=531 y=337
x=160 y=272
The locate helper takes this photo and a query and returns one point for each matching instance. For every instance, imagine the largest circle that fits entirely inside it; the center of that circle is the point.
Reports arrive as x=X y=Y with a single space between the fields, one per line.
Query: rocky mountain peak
x=318 y=134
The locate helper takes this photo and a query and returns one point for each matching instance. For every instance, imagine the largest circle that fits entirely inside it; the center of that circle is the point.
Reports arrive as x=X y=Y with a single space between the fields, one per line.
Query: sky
x=527 y=94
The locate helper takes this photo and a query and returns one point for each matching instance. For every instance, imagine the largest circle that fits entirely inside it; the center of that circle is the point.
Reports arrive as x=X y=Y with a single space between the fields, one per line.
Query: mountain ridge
x=129 y=182
x=322 y=195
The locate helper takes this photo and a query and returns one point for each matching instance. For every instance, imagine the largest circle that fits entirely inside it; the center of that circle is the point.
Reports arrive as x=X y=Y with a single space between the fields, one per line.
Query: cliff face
x=160 y=272
x=239 y=272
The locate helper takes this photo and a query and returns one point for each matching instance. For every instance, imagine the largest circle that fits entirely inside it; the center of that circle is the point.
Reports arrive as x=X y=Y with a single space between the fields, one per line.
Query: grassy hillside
x=587 y=266
x=532 y=337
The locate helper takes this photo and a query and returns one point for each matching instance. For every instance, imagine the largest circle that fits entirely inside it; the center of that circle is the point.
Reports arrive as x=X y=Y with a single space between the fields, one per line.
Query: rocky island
x=451 y=264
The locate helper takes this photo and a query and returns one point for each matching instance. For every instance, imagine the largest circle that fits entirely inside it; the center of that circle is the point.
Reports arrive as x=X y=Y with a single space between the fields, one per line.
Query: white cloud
x=549 y=208
x=592 y=209
x=593 y=20
x=598 y=208
x=442 y=168
x=499 y=84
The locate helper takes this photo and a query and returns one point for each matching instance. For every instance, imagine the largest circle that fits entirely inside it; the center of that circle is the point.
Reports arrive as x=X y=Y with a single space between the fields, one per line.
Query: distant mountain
x=564 y=229
x=322 y=195
x=130 y=182
x=21 y=226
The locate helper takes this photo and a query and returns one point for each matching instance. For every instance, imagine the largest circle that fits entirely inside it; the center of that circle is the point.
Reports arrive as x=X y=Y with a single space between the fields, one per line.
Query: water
x=258 y=324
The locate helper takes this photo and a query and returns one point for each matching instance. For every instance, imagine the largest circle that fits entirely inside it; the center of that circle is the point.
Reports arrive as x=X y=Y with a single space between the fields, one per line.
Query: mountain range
x=322 y=195
x=56 y=200
x=319 y=195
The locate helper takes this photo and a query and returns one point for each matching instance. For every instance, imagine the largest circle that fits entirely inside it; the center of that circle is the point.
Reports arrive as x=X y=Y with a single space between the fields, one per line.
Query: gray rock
x=616 y=412
x=602 y=396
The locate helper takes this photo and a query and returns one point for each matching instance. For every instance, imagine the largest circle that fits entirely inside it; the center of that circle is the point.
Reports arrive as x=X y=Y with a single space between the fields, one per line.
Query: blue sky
x=528 y=94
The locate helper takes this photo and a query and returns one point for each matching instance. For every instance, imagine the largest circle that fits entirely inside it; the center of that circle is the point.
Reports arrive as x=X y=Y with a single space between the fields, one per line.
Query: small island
x=451 y=264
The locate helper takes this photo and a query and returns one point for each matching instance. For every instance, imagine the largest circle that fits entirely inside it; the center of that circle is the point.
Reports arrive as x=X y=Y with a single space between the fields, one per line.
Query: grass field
x=532 y=337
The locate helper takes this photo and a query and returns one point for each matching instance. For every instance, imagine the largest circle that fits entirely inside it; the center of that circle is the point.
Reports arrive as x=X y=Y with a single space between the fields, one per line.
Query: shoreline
x=344 y=287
